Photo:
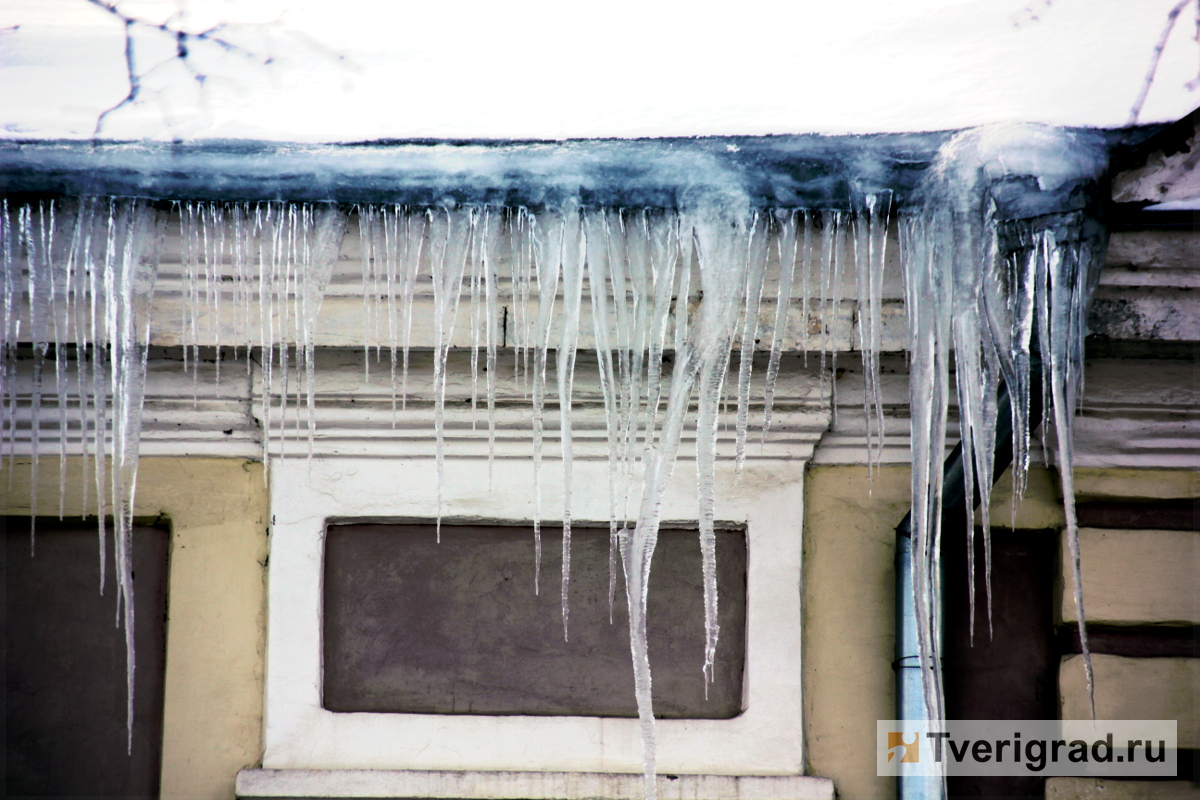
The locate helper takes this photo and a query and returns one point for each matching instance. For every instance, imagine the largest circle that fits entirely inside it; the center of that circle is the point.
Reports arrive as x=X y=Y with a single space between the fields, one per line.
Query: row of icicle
x=79 y=281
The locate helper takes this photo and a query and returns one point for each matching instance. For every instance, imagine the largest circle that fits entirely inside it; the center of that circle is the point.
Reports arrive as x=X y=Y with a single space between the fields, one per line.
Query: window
x=412 y=625
x=64 y=663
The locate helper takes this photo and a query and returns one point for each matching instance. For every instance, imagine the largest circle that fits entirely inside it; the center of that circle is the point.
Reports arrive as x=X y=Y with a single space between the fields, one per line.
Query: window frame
x=766 y=739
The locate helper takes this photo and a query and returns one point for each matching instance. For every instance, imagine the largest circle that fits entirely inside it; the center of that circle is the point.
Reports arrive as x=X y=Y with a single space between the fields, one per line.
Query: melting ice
x=1002 y=289
x=1003 y=279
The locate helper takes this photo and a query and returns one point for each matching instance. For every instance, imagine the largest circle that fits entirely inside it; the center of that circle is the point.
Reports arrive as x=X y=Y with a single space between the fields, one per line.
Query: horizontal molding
x=1144 y=295
x=1162 y=515
x=1135 y=414
x=444 y=785
x=1148 y=641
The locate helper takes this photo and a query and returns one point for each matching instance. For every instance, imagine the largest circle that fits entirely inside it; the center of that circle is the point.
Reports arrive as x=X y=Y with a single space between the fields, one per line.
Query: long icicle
x=450 y=231
x=570 y=256
x=961 y=290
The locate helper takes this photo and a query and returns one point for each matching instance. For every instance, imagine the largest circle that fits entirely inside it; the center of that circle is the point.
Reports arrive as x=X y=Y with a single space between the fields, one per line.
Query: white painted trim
x=765 y=740
x=266 y=783
x=1136 y=413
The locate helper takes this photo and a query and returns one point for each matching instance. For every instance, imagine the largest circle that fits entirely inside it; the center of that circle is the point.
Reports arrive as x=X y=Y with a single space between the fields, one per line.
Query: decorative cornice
x=1135 y=412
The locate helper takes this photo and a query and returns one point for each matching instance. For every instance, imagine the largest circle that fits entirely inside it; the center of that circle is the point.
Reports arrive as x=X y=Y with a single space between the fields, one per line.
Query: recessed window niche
x=414 y=625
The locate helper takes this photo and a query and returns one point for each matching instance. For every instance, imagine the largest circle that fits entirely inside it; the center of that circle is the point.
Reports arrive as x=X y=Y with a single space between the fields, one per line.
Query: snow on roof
x=362 y=70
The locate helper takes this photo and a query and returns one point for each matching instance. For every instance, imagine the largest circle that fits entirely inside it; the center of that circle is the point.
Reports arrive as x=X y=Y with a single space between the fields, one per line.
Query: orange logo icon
x=912 y=751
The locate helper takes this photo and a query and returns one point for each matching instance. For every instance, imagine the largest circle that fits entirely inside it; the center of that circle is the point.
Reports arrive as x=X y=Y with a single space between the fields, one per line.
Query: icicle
x=684 y=295
x=70 y=328
x=98 y=301
x=787 y=248
x=996 y=312
x=264 y=225
x=596 y=238
x=806 y=285
x=136 y=275
x=870 y=251
x=329 y=229
x=94 y=288
x=59 y=312
x=118 y=291
x=637 y=251
x=8 y=335
x=35 y=436
x=489 y=234
x=35 y=231
x=756 y=262
x=547 y=233
x=284 y=264
x=663 y=233
x=827 y=301
x=368 y=221
x=77 y=265
x=571 y=257
x=625 y=388
x=391 y=231
x=1071 y=274
x=839 y=256
x=415 y=225
x=961 y=290
x=929 y=329
x=214 y=245
x=522 y=264
x=721 y=235
x=476 y=279
x=451 y=233
x=238 y=215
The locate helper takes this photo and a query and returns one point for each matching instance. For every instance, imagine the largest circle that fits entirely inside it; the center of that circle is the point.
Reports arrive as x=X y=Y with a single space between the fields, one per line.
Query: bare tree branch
x=1194 y=84
x=184 y=42
x=1172 y=18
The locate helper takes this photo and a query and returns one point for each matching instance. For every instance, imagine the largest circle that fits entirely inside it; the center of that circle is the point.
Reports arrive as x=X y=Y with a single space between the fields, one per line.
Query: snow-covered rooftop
x=361 y=70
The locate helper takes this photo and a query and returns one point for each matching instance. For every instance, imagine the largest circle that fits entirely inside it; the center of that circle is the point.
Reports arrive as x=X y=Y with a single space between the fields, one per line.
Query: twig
x=1194 y=84
x=184 y=40
x=1172 y=18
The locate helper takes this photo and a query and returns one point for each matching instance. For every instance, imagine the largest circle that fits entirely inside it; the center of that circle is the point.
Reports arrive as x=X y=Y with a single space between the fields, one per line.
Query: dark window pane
x=64 y=662
x=414 y=626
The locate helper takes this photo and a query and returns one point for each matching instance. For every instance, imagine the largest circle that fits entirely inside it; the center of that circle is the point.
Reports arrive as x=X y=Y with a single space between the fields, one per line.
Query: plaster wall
x=1134 y=578
x=1135 y=688
x=849 y=620
x=1137 y=577
x=849 y=608
x=1144 y=484
x=218 y=512
x=216 y=633
x=1098 y=789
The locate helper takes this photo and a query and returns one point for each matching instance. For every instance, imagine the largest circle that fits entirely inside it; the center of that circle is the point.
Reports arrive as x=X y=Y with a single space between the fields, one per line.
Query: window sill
x=462 y=785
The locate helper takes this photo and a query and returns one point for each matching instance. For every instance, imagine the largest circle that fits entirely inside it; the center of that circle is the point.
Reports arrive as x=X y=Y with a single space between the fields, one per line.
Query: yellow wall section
x=849 y=611
x=1144 y=484
x=218 y=509
x=1103 y=789
x=1135 y=688
x=1136 y=577
x=849 y=621
x=219 y=512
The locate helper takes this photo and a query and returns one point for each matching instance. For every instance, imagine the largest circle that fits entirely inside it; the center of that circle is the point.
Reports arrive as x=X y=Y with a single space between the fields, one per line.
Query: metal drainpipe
x=910 y=686
x=910 y=683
